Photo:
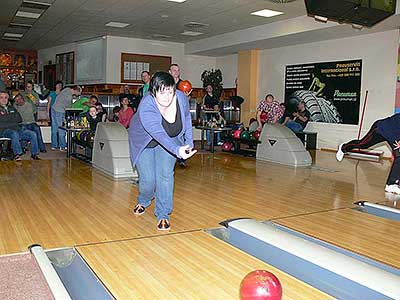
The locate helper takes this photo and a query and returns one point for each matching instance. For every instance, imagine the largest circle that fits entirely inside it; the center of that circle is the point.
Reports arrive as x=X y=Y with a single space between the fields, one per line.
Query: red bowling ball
x=227 y=146
x=260 y=285
x=237 y=133
x=263 y=117
x=185 y=86
x=256 y=135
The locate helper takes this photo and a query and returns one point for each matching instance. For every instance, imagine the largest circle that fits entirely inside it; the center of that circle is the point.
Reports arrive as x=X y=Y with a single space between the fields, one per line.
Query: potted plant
x=213 y=78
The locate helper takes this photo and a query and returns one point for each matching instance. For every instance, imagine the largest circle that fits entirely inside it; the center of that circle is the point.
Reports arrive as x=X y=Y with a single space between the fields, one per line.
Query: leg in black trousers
x=371 y=138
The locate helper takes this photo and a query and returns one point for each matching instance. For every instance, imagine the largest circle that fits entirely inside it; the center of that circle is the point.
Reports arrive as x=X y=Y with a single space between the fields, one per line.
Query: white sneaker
x=392 y=188
x=340 y=153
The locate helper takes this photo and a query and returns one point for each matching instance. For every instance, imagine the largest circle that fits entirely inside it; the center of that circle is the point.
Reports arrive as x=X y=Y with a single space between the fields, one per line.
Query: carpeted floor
x=50 y=154
x=22 y=279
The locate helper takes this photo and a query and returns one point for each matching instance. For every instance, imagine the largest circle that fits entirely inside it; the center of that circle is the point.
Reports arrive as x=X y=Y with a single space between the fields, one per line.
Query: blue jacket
x=389 y=128
x=146 y=125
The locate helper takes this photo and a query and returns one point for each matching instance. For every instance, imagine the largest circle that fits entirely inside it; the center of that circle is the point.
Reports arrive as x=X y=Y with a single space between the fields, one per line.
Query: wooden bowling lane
x=61 y=203
x=366 y=234
x=181 y=266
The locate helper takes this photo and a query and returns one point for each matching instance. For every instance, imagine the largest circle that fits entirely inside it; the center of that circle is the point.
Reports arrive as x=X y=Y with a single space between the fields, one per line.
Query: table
x=213 y=131
x=71 y=132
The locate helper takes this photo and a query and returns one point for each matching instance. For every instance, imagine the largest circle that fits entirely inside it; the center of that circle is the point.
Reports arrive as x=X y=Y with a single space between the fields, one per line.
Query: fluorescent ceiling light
x=26 y=14
x=10 y=39
x=179 y=1
x=191 y=33
x=117 y=24
x=321 y=19
x=267 y=13
x=36 y=2
x=21 y=25
x=357 y=26
x=158 y=35
x=13 y=35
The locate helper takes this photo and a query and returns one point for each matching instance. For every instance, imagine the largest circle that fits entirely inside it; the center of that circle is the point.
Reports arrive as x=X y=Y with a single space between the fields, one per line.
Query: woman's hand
x=396 y=145
x=185 y=152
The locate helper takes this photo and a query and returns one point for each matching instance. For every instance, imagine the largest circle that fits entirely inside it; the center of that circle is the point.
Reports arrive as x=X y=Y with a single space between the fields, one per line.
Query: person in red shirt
x=126 y=113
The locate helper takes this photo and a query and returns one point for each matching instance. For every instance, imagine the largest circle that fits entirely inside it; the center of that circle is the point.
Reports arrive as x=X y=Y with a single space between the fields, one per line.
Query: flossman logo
x=271 y=142
x=101 y=146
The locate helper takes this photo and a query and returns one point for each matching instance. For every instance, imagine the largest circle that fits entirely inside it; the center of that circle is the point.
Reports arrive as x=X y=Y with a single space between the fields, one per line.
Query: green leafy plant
x=213 y=78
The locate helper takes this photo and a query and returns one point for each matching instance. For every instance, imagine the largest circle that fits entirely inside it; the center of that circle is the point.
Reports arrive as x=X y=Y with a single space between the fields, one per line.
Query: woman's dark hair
x=58 y=82
x=94 y=97
x=160 y=81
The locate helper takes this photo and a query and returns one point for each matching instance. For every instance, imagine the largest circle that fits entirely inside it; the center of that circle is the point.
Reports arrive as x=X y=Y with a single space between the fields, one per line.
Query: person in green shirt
x=85 y=103
x=144 y=88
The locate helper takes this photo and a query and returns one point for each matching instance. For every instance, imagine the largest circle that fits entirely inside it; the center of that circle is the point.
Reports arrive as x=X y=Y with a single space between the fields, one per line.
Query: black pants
x=372 y=138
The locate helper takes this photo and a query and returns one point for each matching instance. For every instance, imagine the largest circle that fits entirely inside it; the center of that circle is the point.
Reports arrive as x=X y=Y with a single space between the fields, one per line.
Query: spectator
x=85 y=103
x=145 y=87
x=32 y=97
x=101 y=111
x=10 y=128
x=51 y=99
x=25 y=109
x=300 y=118
x=115 y=114
x=93 y=118
x=126 y=113
x=63 y=101
x=271 y=109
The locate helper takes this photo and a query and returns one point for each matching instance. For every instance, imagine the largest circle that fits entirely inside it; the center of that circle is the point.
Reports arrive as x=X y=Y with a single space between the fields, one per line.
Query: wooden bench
x=309 y=139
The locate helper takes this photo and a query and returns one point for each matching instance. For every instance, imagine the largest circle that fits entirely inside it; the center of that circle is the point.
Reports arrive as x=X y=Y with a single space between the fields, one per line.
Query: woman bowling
x=384 y=130
x=159 y=132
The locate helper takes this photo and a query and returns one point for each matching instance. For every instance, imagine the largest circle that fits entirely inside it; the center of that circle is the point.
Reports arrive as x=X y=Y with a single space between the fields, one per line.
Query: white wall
x=378 y=52
x=191 y=65
x=228 y=66
x=45 y=55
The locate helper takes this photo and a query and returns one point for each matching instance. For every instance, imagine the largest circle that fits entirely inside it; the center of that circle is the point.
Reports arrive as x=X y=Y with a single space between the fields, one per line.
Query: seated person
x=101 y=111
x=300 y=118
x=211 y=103
x=85 y=103
x=115 y=114
x=286 y=115
x=133 y=100
x=126 y=113
x=10 y=128
x=26 y=110
x=271 y=109
x=93 y=118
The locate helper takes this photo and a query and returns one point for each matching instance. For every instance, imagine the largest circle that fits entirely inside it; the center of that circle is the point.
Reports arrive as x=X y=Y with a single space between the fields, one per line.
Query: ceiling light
x=35 y=4
x=117 y=24
x=321 y=19
x=26 y=14
x=267 y=13
x=179 y=1
x=13 y=35
x=158 y=35
x=191 y=33
x=10 y=39
x=357 y=26
x=21 y=25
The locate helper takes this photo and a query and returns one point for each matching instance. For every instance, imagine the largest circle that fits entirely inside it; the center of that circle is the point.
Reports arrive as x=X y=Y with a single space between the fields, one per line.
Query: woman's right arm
x=150 y=117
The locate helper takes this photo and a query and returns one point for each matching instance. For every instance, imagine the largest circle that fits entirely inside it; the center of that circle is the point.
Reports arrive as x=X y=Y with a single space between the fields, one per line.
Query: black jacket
x=9 y=118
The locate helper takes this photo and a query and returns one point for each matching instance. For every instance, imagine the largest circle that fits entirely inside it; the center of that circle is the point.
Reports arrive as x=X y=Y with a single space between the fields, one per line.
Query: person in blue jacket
x=383 y=130
x=159 y=133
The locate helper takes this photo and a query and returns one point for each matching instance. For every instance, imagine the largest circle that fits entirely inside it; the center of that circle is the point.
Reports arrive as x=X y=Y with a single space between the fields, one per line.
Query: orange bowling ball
x=260 y=285
x=185 y=86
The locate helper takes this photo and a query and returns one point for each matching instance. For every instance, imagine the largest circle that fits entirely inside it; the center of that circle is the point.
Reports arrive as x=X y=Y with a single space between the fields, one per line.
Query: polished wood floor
x=62 y=203
x=190 y=265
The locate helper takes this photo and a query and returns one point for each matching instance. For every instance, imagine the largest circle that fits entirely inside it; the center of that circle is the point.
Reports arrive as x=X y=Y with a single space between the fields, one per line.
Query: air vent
x=195 y=25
